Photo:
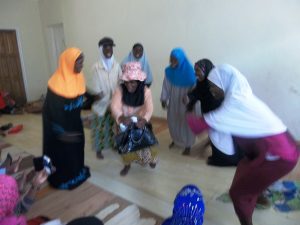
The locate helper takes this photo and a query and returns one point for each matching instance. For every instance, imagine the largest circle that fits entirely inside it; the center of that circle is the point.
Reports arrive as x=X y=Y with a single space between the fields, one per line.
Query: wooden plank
x=85 y=200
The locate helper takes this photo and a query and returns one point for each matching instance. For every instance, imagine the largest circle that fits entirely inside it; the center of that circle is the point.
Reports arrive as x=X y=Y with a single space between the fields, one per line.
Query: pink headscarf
x=9 y=196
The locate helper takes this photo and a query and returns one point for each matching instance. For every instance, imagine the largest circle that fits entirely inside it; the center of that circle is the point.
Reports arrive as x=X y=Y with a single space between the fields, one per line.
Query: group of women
x=242 y=130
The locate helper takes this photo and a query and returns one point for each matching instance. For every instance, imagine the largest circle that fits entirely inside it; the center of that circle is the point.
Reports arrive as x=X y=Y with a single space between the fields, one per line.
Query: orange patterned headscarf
x=65 y=82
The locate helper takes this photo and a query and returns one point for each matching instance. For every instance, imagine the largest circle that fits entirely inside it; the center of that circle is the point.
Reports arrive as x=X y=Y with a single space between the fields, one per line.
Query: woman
x=224 y=153
x=133 y=98
x=10 y=203
x=188 y=208
x=179 y=79
x=62 y=126
x=106 y=74
x=138 y=54
x=9 y=197
x=270 y=151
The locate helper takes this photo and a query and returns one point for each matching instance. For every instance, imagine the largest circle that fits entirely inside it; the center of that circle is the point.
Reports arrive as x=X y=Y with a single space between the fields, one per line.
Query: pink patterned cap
x=9 y=195
x=133 y=71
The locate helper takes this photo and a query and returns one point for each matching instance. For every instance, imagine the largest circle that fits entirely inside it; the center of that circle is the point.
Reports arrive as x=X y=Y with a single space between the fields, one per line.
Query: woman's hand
x=141 y=122
x=189 y=107
x=99 y=96
x=185 y=100
x=164 y=104
x=125 y=120
x=39 y=178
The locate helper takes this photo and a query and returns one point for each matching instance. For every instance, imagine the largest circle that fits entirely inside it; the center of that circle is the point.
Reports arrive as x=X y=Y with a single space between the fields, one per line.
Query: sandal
x=152 y=165
x=186 y=151
x=6 y=126
x=125 y=170
x=172 y=144
x=99 y=155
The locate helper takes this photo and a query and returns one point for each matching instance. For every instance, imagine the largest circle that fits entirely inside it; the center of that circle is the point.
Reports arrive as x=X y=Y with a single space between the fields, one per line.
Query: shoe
x=212 y=162
x=187 y=151
x=99 y=155
x=6 y=126
x=15 y=129
x=171 y=145
x=152 y=165
x=125 y=170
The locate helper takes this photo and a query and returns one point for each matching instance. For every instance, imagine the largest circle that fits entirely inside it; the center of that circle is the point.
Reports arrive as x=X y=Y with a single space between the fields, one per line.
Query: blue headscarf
x=188 y=208
x=183 y=74
x=143 y=61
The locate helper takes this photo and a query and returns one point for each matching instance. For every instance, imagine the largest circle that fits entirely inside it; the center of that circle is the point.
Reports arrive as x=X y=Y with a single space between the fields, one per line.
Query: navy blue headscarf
x=183 y=74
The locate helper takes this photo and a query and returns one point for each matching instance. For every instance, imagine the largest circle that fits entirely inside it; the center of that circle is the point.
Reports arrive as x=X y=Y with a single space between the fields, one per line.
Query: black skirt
x=61 y=117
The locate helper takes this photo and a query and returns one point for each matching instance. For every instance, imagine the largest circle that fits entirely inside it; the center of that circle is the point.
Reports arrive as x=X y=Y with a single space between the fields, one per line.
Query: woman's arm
x=27 y=201
x=116 y=104
x=197 y=124
x=148 y=105
x=147 y=109
x=165 y=93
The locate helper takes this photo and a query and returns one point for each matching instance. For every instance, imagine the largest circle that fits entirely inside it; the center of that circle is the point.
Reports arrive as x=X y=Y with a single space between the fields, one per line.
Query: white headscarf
x=242 y=113
x=107 y=63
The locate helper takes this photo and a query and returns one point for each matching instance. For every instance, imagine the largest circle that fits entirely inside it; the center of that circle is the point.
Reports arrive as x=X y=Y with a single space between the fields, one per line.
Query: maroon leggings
x=253 y=175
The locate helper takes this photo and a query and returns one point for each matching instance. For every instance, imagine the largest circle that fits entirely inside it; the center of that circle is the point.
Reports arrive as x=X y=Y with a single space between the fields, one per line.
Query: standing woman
x=270 y=151
x=133 y=98
x=106 y=75
x=63 y=136
x=138 y=54
x=179 y=79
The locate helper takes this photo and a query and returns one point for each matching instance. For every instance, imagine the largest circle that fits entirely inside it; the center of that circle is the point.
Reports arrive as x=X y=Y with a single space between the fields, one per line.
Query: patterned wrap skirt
x=103 y=132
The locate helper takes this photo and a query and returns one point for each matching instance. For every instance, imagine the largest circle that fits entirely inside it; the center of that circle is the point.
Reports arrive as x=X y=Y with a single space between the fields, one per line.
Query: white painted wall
x=261 y=38
x=24 y=16
x=51 y=18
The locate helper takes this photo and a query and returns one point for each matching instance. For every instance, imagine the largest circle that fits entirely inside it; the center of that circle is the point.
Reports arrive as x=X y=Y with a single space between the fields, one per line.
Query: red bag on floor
x=38 y=220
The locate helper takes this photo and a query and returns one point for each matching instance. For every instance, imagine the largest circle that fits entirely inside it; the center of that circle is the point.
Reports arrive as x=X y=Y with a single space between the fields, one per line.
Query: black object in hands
x=43 y=162
x=134 y=138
